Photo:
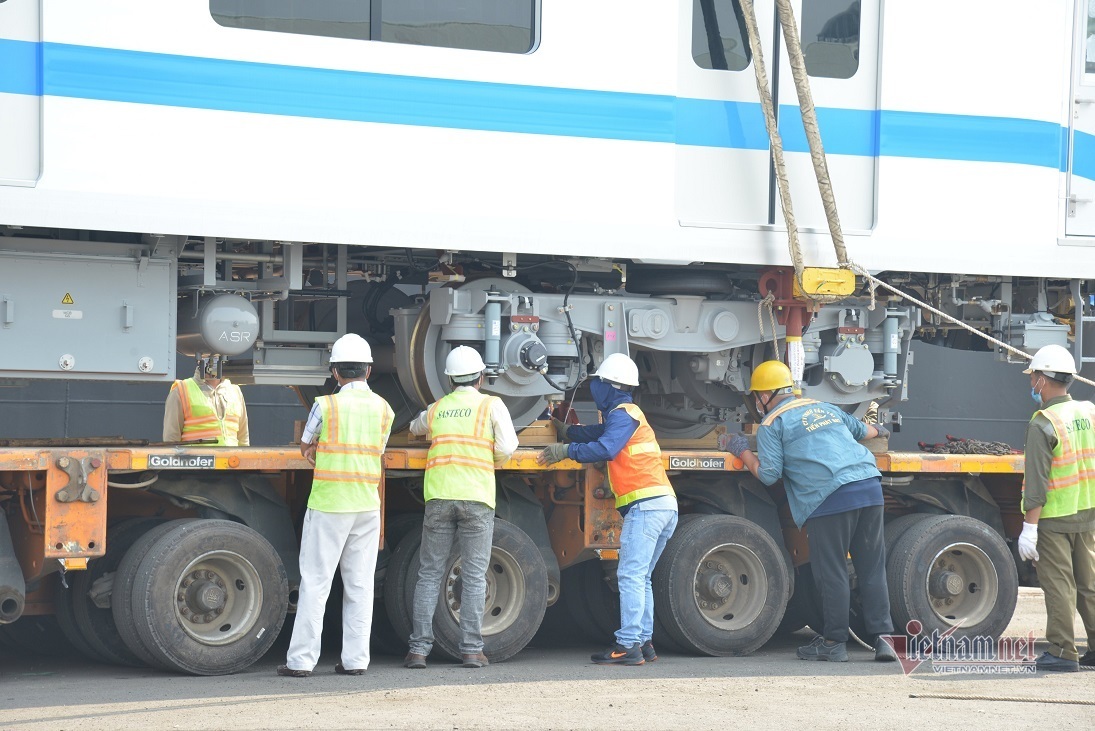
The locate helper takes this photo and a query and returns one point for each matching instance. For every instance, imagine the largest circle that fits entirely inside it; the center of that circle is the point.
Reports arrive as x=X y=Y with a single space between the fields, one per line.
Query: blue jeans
x=470 y=525
x=642 y=541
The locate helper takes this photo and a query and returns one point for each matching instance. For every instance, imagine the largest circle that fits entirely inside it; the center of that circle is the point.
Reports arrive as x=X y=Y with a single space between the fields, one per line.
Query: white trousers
x=348 y=541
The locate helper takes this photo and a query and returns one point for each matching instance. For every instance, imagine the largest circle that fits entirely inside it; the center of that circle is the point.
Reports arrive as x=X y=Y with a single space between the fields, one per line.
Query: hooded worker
x=344 y=439
x=206 y=408
x=644 y=497
x=471 y=434
x=1059 y=506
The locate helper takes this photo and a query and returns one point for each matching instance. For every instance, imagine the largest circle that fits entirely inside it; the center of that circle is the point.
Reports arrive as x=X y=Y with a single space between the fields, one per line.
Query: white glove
x=1028 y=542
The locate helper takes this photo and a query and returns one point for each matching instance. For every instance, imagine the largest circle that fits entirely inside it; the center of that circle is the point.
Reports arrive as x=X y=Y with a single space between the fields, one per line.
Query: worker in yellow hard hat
x=834 y=490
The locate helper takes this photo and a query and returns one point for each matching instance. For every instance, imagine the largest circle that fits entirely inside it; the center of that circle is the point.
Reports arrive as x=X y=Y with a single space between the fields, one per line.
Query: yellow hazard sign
x=67 y=299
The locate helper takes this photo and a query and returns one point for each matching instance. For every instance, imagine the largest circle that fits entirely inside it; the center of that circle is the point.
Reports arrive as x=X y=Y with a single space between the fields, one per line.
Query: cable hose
x=1007 y=698
x=876 y=282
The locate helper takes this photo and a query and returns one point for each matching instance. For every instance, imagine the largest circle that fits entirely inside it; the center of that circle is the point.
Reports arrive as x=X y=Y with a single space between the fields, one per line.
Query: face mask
x=1036 y=396
x=600 y=391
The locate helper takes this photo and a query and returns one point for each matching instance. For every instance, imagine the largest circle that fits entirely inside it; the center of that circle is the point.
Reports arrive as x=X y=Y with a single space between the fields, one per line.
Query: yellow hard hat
x=771 y=375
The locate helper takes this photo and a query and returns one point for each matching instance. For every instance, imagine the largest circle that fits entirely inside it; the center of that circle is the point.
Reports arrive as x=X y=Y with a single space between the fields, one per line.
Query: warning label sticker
x=67 y=299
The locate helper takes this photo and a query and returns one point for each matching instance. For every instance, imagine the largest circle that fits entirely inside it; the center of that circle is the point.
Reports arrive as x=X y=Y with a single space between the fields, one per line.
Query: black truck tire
x=210 y=597
x=722 y=586
x=952 y=570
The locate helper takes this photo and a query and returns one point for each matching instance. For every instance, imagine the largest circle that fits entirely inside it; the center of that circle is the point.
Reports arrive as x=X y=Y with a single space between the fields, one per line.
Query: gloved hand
x=1028 y=542
x=883 y=432
x=552 y=453
x=560 y=429
x=735 y=443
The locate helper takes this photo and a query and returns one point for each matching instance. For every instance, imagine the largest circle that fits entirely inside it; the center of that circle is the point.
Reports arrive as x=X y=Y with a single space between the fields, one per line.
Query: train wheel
x=209 y=598
x=952 y=571
x=722 y=586
x=95 y=623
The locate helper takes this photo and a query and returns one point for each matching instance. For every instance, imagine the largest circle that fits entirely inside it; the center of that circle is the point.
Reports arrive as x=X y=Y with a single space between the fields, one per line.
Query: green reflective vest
x=460 y=463
x=200 y=420
x=356 y=424
x=1071 y=485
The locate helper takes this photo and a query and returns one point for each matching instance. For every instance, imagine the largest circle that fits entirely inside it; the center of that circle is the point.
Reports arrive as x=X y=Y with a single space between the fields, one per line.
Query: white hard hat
x=464 y=361
x=1052 y=359
x=351 y=348
x=618 y=368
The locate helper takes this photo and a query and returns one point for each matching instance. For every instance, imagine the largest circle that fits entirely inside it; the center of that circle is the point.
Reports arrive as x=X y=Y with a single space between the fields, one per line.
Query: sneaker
x=287 y=672
x=414 y=661
x=477 y=660
x=341 y=670
x=619 y=655
x=822 y=649
x=883 y=652
x=1054 y=664
x=649 y=653
x=1088 y=660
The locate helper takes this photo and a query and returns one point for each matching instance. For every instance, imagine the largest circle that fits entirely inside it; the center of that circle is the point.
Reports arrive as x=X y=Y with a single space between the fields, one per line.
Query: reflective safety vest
x=355 y=428
x=200 y=419
x=797 y=403
x=1071 y=485
x=637 y=472
x=460 y=463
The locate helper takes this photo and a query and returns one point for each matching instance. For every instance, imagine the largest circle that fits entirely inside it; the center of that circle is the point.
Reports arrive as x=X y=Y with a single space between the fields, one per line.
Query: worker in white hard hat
x=625 y=441
x=1059 y=506
x=471 y=434
x=206 y=408
x=344 y=439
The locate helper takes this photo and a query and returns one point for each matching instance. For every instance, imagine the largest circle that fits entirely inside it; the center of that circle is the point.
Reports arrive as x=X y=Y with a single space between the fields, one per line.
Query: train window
x=719 y=38
x=506 y=26
x=830 y=38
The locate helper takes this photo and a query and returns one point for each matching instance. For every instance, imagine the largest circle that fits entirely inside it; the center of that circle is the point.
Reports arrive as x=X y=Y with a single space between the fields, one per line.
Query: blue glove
x=735 y=443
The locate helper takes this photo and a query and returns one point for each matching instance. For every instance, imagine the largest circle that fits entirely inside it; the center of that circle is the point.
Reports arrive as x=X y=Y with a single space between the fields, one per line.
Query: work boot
x=476 y=660
x=341 y=670
x=823 y=649
x=619 y=655
x=883 y=652
x=649 y=653
x=1054 y=664
x=1088 y=660
x=414 y=661
x=287 y=672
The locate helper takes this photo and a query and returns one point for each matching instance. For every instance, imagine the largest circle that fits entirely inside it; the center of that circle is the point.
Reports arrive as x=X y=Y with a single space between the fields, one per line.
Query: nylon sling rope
x=1006 y=698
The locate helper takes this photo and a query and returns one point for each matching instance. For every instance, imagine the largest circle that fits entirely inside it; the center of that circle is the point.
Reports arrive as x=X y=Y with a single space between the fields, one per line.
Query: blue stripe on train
x=150 y=78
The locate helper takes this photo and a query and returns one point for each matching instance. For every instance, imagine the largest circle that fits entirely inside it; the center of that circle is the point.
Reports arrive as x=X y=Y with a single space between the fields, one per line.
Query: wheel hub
x=946 y=584
x=714 y=585
x=203 y=596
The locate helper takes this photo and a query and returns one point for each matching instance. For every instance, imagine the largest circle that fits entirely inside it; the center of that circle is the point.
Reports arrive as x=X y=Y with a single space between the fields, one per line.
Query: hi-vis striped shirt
x=505 y=438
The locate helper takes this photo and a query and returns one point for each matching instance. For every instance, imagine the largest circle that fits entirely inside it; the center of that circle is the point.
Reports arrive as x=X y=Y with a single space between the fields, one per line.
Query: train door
x=20 y=92
x=723 y=155
x=1080 y=170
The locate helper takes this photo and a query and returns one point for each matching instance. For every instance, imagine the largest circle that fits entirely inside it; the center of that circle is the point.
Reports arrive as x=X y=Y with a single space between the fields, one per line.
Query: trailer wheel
x=96 y=624
x=210 y=597
x=386 y=639
x=399 y=581
x=35 y=635
x=516 y=596
x=593 y=606
x=121 y=594
x=63 y=601
x=722 y=586
x=952 y=571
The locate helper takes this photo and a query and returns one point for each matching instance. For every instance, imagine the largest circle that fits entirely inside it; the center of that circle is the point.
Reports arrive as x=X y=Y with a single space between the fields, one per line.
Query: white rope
x=876 y=282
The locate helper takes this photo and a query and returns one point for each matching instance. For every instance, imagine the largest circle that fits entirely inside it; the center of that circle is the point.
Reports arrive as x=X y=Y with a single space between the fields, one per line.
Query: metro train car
x=549 y=182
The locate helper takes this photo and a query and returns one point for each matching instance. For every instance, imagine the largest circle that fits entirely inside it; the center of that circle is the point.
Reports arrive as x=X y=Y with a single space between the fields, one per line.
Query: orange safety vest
x=200 y=420
x=636 y=472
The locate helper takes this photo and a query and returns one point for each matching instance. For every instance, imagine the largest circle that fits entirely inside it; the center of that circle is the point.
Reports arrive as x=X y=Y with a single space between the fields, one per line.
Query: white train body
x=962 y=143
